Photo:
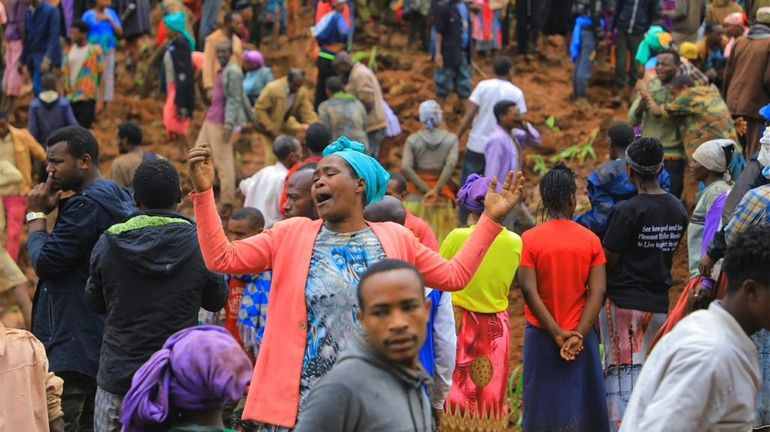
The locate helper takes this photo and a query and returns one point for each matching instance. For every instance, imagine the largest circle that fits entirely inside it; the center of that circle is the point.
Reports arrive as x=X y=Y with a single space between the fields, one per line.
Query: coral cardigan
x=286 y=249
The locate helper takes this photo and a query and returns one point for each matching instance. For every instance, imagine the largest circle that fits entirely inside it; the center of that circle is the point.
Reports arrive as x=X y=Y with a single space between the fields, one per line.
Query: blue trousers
x=584 y=67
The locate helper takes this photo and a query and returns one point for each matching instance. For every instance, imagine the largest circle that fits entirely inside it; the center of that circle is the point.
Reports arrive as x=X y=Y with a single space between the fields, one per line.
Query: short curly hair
x=80 y=141
x=156 y=184
x=748 y=257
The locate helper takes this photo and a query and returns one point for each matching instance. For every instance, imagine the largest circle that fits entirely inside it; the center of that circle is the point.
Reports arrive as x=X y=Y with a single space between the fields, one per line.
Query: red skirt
x=173 y=124
x=478 y=398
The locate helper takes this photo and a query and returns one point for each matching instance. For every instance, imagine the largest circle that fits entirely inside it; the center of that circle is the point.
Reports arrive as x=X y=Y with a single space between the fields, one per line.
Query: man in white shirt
x=704 y=375
x=263 y=190
x=479 y=111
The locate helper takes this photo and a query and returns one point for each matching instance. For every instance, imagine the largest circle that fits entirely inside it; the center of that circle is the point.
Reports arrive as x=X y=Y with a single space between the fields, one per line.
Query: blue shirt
x=101 y=32
x=41 y=35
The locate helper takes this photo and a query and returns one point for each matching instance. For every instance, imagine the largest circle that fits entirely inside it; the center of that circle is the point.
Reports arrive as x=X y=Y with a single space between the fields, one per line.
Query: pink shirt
x=286 y=249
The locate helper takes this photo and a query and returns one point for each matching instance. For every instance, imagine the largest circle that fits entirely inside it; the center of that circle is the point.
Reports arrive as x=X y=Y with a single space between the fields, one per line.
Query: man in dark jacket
x=632 y=19
x=42 y=49
x=148 y=277
x=70 y=331
x=453 y=49
x=378 y=385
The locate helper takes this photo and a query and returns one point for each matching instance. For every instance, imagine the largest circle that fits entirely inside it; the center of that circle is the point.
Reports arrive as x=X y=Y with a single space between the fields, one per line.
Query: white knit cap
x=711 y=154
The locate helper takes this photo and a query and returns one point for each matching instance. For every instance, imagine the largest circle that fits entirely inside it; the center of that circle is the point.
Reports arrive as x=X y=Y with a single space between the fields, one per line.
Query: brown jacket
x=25 y=147
x=363 y=84
x=747 y=77
x=271 y=110
x=210 y=63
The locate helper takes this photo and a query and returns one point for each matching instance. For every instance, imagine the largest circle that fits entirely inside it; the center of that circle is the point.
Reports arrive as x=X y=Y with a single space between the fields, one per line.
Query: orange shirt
x=562 y=253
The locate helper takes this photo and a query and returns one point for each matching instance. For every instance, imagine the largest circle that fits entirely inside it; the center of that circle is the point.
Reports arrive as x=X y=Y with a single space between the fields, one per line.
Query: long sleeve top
x=430 y=150
x=288 y=247
x=501 y=154
x=41 y=35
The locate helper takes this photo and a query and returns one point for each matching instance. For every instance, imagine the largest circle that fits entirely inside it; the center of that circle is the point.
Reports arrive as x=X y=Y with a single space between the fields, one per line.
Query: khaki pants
x=213 y=135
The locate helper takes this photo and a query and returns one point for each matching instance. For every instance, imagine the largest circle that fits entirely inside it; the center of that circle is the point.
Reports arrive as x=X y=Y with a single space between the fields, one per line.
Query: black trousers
x=675 y=170
x=530 y=15
x=85 y=112
x=325 y=71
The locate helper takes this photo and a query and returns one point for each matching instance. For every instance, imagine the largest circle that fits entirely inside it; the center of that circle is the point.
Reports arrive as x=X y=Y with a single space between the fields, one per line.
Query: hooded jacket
x=46 y=117
x=148 y=277
x=71 y=332
x=367 y=392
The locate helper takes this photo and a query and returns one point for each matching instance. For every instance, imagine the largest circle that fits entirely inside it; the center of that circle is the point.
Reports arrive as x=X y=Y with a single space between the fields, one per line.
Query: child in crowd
x=643 y=233
x=82 y=68
x=563 y=281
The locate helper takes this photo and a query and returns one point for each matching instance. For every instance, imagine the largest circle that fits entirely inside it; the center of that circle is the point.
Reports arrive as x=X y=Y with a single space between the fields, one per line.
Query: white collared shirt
x=703 y=376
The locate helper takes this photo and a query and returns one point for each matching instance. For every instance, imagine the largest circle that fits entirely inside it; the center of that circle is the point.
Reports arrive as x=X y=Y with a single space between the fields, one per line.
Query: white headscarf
x=431 y=114
x=764 y=151
x=711 y=155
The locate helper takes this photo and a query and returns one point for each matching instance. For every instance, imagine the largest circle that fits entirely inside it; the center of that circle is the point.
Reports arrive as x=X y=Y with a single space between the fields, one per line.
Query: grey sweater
x=365 y=392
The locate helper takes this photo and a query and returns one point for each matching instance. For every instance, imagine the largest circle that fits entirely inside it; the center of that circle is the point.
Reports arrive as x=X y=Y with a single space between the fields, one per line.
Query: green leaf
x=538 y=165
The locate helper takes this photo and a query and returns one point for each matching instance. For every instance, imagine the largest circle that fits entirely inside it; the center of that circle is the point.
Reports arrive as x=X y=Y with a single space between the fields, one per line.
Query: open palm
x=498 y=204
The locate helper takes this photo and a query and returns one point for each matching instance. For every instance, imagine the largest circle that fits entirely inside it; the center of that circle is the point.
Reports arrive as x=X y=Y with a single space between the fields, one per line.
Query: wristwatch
x=32 y=216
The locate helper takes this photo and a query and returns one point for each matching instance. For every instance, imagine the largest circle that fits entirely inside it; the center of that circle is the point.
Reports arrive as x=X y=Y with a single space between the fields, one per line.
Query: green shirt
x=663 y=128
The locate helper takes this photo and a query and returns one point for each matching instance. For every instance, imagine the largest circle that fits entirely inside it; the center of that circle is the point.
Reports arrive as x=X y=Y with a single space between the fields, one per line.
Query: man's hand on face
x=43 y=198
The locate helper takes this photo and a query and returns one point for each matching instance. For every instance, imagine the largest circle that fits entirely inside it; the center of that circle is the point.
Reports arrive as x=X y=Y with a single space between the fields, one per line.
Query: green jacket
x=663 y=128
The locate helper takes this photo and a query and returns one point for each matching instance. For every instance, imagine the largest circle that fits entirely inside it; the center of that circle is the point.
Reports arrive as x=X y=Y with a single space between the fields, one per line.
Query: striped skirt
x=562 y=395
x=627 y=336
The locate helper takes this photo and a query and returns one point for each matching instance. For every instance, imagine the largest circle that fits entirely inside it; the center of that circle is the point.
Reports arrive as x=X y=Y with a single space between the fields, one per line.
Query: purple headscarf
x=255 y=58
x=199 y=368
x=472 y=194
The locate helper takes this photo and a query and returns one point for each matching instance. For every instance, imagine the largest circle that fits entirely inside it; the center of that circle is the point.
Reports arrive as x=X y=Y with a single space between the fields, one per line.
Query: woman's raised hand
x=497 y=205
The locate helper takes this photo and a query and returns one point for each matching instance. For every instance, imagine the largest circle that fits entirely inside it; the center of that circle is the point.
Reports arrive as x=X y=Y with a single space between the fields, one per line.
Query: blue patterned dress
x=338 y=262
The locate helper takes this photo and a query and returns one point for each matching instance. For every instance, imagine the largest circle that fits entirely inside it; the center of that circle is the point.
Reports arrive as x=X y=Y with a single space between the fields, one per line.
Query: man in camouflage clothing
x=656 y=92
x=703 y=116
x=702 y=109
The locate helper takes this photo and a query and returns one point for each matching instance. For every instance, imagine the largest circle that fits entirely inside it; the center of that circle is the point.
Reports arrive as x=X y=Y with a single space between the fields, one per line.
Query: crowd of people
x=325 y=292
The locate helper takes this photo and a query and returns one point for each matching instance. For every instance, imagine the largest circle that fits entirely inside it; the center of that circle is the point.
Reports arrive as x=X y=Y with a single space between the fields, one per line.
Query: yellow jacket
x=271 y=110
x=25 y=147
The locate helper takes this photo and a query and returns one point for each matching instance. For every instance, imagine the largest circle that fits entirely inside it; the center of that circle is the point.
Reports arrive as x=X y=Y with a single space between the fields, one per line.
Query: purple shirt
x=217 y=109
x=501 y=154
x=15 y=27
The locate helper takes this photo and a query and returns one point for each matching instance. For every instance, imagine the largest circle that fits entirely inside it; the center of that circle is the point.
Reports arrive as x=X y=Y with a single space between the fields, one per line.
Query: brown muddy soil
x=406 y=79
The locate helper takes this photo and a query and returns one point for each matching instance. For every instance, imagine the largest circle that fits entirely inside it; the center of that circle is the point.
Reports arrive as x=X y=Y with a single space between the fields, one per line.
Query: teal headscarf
x=178 y=23
x=365 y=166
x=656 y=39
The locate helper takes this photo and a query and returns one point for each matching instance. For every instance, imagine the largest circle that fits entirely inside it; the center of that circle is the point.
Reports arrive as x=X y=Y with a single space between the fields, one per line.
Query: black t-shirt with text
x=646 y=231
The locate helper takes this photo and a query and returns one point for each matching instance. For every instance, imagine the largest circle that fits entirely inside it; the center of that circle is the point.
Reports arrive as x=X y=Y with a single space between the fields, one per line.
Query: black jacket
x=149 y=278
x=70 y=331
x=636 y=16
x=184 y=76
x=449 y=24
